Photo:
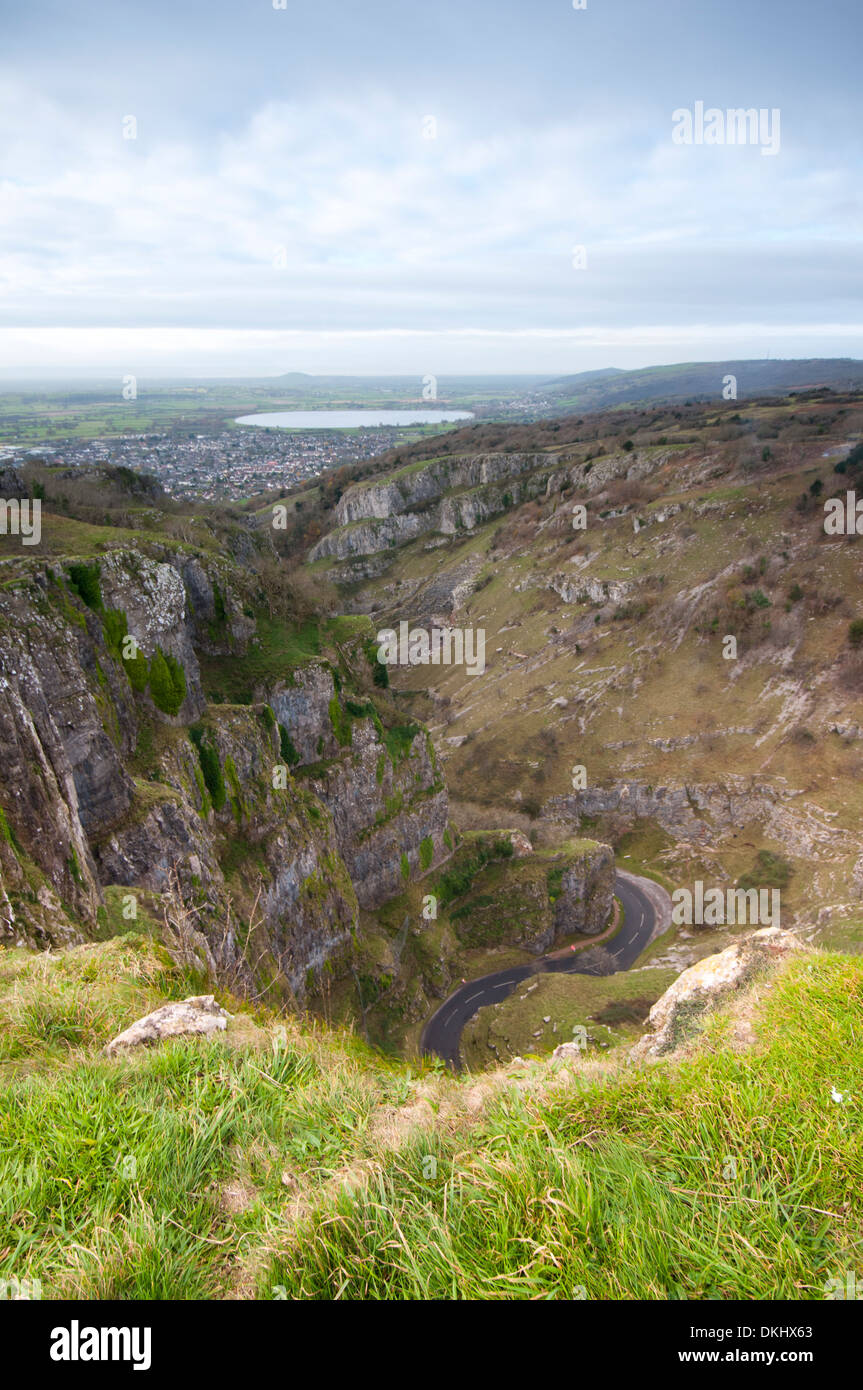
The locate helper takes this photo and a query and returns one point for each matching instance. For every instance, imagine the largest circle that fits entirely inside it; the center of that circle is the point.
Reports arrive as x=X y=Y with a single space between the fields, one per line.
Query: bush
x=116 y=628
x=219 y=605
x=770 y=871
x=855 y=632
x=289 y=752
x=341 y=723
x=84 y=579
x=380 y=671
x=211 y=768
x=456 y=881
x=137 y=671
x=167 y=682
x=426 y=852
x=853 y=461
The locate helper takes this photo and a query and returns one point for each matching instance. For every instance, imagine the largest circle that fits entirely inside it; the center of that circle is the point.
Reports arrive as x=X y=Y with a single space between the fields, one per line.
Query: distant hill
x=698 y=381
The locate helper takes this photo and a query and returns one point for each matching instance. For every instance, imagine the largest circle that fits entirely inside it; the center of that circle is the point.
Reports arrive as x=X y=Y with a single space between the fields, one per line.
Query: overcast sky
x=401 y=185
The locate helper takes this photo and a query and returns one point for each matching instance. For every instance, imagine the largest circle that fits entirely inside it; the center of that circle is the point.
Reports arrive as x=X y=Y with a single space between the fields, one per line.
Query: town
x=219 y=466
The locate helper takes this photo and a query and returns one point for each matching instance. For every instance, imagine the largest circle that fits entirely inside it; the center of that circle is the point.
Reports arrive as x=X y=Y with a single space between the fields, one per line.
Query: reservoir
x=352 y=419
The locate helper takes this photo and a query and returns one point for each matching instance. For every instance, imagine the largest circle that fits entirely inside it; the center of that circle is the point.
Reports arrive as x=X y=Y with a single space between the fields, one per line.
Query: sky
x=224 y=187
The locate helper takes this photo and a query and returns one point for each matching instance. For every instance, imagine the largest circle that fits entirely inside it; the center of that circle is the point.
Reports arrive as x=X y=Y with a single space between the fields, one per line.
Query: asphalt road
x=442 y=1033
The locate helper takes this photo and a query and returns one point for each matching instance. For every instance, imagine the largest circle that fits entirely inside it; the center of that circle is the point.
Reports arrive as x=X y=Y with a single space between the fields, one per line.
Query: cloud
x=338 y=215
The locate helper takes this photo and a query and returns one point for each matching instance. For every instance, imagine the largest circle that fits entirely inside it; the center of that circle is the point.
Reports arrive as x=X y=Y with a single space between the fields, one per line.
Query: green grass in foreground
x=732 y=1176
x=228 y=1168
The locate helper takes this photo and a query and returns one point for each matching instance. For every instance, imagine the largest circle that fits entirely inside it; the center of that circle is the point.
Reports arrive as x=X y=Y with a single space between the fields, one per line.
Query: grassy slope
x=610 y=1007
x=634 y=680
x=283 y=1157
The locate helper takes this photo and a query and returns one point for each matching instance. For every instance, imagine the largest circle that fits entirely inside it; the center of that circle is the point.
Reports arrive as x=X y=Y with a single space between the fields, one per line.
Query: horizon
x=545 y=377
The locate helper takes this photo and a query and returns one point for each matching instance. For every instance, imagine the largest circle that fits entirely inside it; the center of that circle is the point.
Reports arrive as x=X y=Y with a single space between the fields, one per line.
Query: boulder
x=199 y=1014
x=711 y=981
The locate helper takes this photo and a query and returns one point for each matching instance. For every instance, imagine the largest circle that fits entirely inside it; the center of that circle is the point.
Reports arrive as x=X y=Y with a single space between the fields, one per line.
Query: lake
x=352 y=419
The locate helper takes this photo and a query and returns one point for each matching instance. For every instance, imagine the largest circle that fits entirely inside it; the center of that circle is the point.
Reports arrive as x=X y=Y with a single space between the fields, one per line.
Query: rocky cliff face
x=413 y=488
x=533 y=901
x=266 y=822
x=390 y=813
x=703 y=813
x=586 y=891
x=443 y=497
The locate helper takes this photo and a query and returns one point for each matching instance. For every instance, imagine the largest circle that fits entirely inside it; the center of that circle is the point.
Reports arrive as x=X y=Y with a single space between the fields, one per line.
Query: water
x=352 y=419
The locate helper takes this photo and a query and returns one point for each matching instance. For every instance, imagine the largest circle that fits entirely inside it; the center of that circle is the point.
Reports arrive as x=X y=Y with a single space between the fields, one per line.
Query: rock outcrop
x=586 y=892
x=680 y=1011
x=198 y=1015
x=538 y=898
x=443 y=497
x=702 y=813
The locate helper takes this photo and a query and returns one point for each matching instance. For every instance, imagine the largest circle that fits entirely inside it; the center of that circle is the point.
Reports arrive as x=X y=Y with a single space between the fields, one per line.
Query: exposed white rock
x=199 y=1014
x=709 y=982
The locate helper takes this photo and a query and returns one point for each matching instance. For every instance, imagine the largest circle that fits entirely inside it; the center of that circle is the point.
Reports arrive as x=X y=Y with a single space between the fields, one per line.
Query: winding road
x=644 y=917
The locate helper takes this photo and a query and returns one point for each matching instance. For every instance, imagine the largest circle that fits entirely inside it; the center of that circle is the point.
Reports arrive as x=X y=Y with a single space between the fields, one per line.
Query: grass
x=276 y=650
x=281 y=1155
x=732 y=1177
x=612 y=1008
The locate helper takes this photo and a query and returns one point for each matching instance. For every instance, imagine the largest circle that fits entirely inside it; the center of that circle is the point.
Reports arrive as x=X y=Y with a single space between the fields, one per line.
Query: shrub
x=853 y=461
x=770 y=871
x=456 y=881
x=167 y=682
x=137 y=670
x=426 y=852
x=219 y=605
x=380 y=671
x=268 y=717
x=84 y=579
x=289 y=752
x=341 y=723
x=211 y=768
x=116 y=628
x=855 y=632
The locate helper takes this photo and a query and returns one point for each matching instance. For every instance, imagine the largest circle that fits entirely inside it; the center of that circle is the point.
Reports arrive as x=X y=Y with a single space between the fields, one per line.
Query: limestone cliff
x=444 y=497
x=270 y=821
